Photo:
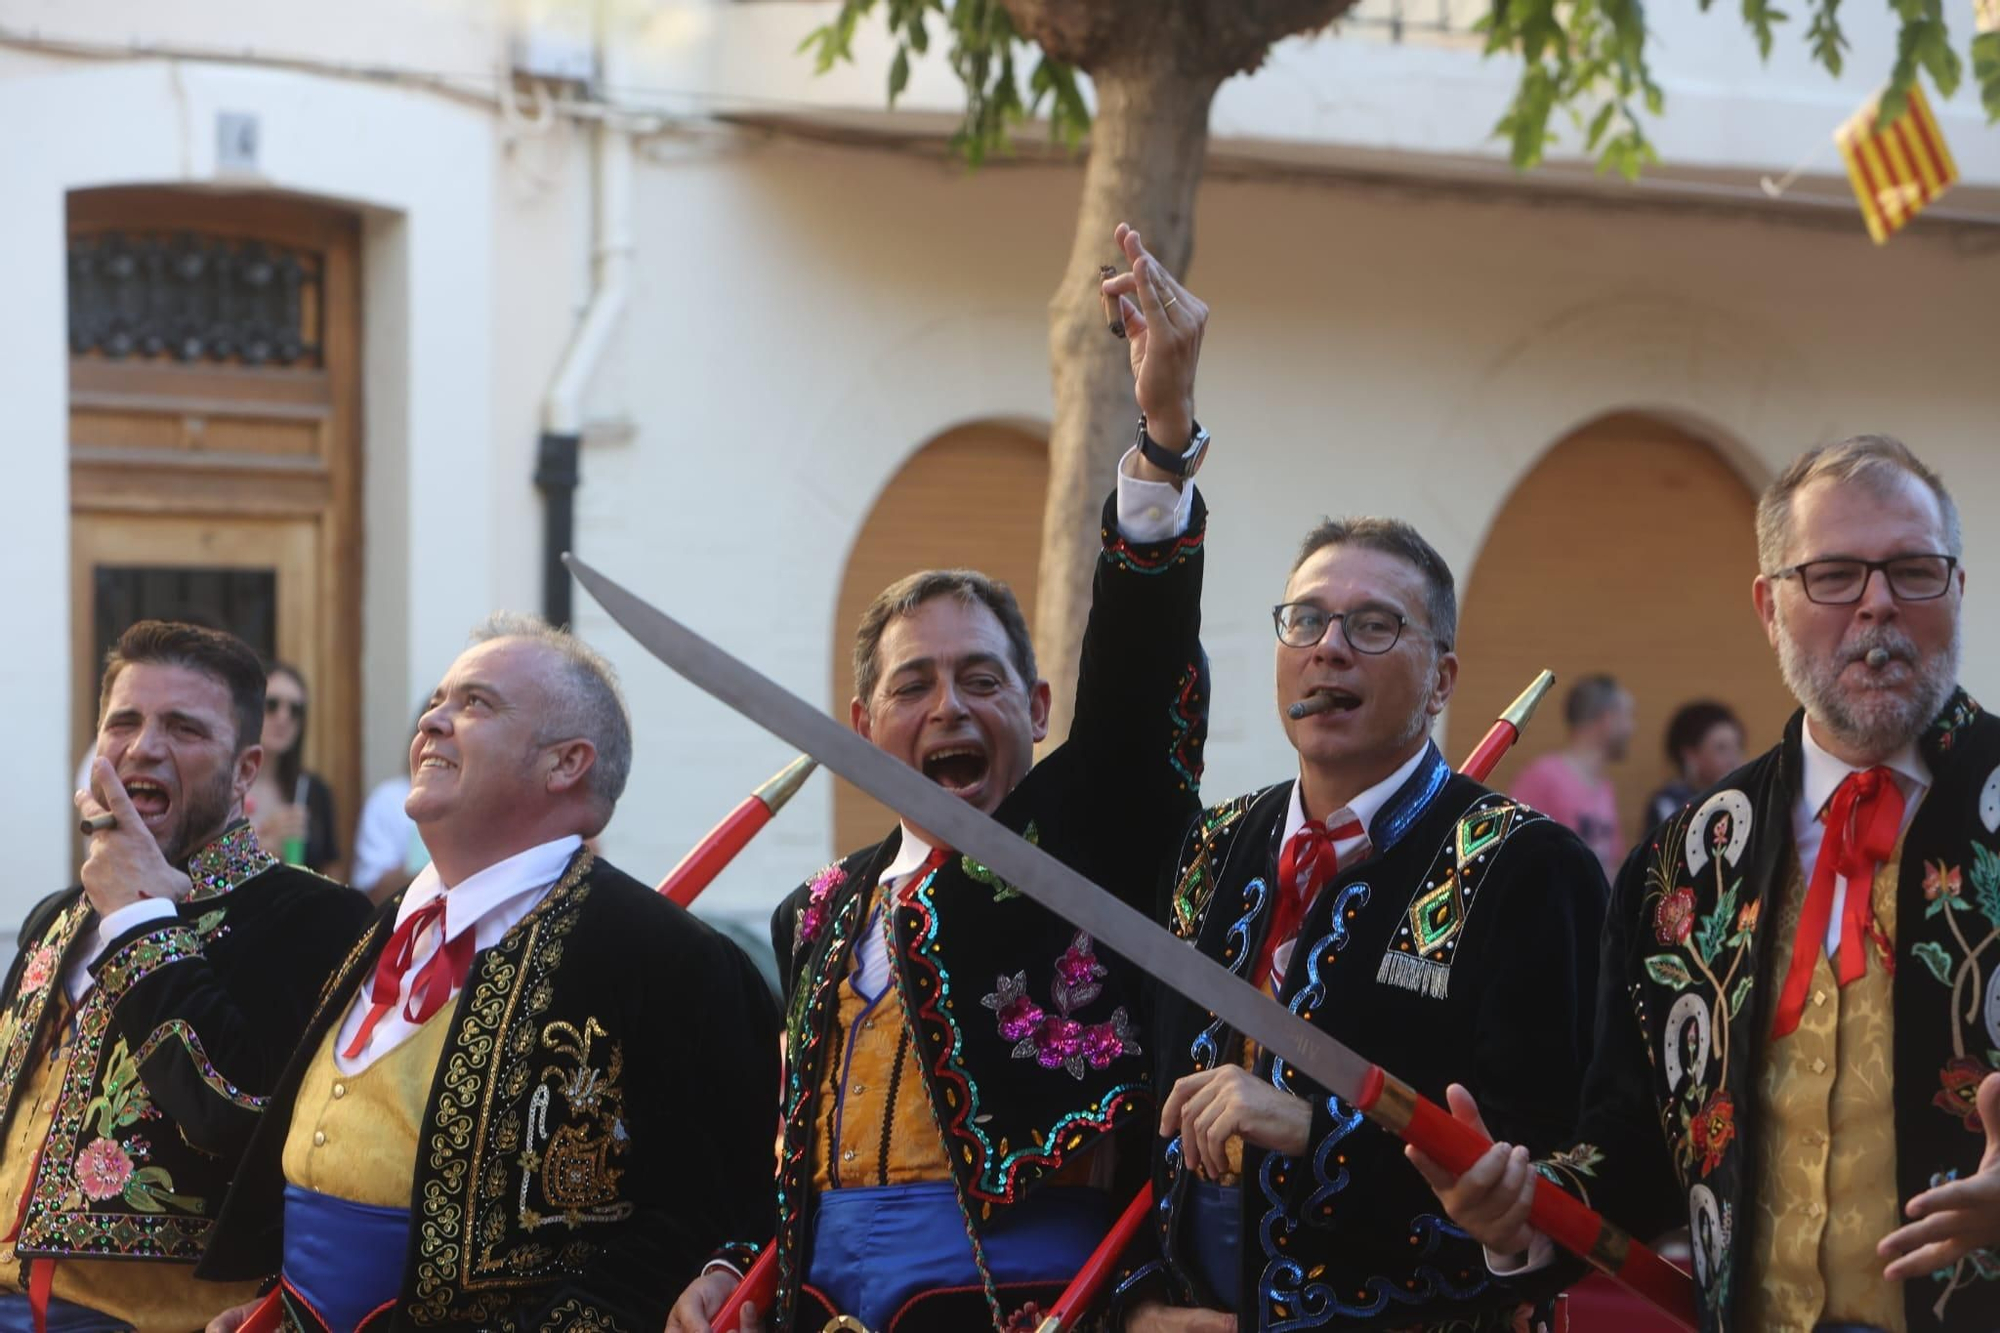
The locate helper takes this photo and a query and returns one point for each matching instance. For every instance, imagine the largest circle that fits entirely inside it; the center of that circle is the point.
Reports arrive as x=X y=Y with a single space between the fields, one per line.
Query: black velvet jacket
x=1668 y=1135
x=651 y=1042
x=177 y=1046
x=1461 y=950
x=1022 y=1071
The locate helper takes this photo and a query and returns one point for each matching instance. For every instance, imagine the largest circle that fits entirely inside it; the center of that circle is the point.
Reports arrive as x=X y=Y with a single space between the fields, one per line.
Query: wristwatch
x=1182 y=464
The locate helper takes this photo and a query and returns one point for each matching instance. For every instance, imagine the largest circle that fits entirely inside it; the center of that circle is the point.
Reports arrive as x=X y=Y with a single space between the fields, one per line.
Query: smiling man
x=1793 y=966
x=491 y=1121
x=959 y=1057
x=150 y=1011
x=1432 y=925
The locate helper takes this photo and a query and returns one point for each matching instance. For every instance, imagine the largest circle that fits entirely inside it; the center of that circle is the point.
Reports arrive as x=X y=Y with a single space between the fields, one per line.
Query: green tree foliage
x=1583 y=58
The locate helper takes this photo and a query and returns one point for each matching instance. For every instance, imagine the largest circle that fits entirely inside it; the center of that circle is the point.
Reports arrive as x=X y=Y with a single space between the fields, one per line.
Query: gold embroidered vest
x=875 y=1121
x=354 y=1136
x=1826 y=1116
x=149 y=1296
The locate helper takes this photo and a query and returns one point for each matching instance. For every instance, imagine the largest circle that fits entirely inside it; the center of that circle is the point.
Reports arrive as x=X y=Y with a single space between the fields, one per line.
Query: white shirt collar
x=477 y=894
x=1823 y=773
x=911 y=853
x=1363 y=807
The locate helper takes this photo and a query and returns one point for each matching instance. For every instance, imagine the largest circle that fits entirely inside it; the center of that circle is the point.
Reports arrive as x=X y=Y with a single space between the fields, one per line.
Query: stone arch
x=1627 y=548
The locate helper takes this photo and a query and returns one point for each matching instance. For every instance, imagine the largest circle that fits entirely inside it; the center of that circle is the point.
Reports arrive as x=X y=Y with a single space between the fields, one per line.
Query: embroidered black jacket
x=1461 y=950
x=1668 y=1133
x=1022 y=1069
x=645 y=1044
x=177 y=1045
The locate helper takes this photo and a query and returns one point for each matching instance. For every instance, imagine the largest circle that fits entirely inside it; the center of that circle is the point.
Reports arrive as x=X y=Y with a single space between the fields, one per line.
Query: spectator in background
x=291 y=809
x=388 y=851
x=1573 y=785
x=1705 y=745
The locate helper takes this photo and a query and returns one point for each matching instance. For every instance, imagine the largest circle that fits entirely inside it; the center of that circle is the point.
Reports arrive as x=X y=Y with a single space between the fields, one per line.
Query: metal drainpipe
x=557 y=465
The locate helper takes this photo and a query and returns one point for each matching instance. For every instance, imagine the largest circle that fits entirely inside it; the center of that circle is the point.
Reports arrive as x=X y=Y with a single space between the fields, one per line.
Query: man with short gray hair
x=489 y=1121
x=1793 y=1055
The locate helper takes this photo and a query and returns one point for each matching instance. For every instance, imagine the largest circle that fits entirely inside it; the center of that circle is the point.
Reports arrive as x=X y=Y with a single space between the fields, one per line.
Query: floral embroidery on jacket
x=107 y=1168
x=41 y=966
x=812 y=919
x=1056 y=1040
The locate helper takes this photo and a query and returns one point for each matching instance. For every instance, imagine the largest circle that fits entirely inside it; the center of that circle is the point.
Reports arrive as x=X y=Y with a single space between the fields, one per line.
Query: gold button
x=858 y=1089
x=1812 y=1210
x=868 y=1025
x=319 y=1138
x=1818 y=1065
x=847 y=1156
x=340 y=1090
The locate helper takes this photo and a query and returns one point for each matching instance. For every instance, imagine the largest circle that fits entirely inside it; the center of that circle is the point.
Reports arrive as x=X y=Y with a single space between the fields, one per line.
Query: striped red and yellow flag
x=1897 y=168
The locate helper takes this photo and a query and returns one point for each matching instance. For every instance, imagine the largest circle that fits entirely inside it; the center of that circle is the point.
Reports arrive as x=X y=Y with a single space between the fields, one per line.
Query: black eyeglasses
x=1912 y=578
x=1370 y=630
x=296 y=708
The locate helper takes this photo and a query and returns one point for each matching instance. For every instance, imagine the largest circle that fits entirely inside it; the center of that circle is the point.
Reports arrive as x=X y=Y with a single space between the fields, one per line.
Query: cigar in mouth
x=1306 y=707
x=1877 y=658
x=1112 y=317
x=96 y=824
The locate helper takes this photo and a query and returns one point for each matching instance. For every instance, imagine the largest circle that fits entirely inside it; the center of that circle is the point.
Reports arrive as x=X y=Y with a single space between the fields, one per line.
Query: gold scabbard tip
x=1528 y=700
x=1049 y=1325
x=785 y=783
x=1395 y=1108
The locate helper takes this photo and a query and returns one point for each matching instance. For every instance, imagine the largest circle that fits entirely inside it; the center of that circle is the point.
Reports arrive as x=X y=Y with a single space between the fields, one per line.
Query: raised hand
x=1490 y=1202
x=123 y=863
x=1957 y=1217
x=1164 y=323
x=1209 y=1108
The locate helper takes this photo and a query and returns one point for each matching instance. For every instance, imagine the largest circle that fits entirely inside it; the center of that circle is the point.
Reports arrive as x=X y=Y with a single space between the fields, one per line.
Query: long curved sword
x=1363 y=1085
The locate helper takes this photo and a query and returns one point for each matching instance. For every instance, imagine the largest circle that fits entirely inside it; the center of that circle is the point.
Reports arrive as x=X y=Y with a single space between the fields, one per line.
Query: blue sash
x=344 y=1259
x=875 y=1247
x=64 y=1316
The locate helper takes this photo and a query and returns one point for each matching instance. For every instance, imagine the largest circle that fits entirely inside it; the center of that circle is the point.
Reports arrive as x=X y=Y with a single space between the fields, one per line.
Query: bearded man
x=1795 y=983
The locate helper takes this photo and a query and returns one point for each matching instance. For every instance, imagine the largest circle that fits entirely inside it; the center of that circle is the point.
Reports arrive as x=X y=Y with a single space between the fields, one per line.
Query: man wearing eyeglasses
x=1429 y=923
x=1798 y=973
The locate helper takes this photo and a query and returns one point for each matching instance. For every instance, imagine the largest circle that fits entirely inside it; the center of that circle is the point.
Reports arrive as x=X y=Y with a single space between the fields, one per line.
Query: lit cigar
x=1877 y=658
x=96 y=824
x=1112 y=316
x=1306 y=707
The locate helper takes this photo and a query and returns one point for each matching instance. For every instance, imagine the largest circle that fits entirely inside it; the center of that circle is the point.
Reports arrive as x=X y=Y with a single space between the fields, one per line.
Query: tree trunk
x=1147 y=145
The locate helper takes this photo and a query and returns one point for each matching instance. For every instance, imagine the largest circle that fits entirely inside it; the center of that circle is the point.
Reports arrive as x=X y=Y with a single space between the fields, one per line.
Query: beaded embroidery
x=227 y=863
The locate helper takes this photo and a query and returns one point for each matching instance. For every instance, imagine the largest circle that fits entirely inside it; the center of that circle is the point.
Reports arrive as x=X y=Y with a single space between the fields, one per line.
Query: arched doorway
x=971 y=497
x=1628 y=548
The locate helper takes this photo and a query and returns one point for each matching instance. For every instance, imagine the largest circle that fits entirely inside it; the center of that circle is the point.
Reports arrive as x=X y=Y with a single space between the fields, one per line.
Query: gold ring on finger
x=1171 y=301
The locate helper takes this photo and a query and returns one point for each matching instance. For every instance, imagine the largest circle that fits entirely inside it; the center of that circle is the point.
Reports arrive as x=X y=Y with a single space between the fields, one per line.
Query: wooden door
x=215 y=465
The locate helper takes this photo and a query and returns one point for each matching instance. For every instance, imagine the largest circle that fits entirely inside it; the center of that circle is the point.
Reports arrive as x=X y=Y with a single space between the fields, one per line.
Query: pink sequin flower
x=812 y=920
x=103 y=1169
x=41 y=966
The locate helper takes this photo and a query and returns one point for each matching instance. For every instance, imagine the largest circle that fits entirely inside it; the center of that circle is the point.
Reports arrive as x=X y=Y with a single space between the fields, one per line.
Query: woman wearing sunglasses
x=291 y=808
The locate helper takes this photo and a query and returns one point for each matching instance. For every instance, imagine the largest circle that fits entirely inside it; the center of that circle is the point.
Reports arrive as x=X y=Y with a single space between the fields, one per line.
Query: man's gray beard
x=1875 y=722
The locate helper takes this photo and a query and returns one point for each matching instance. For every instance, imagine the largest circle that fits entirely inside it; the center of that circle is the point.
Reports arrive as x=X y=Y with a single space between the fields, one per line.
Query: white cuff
x=1150 y=511
x=133 y=914
x=720 y=1266
x=1541 y=1253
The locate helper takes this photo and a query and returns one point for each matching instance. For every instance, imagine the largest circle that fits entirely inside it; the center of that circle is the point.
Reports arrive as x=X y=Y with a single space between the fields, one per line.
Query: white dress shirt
x=488 y=904
x=78 y=981
x=1364 y=808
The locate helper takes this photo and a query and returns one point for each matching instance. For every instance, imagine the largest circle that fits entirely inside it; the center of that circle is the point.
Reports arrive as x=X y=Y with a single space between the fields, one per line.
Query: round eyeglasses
x=1912 y=578
x=1370 y=630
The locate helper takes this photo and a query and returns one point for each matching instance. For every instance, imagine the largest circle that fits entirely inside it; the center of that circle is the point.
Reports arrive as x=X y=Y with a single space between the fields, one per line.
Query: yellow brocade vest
x=875 y=1126
x=157 y=1297
x=354 y=1136
x=1826 y=1117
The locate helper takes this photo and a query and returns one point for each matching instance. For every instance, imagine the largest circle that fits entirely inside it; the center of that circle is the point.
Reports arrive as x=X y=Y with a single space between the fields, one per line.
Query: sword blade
x=1026 y=867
